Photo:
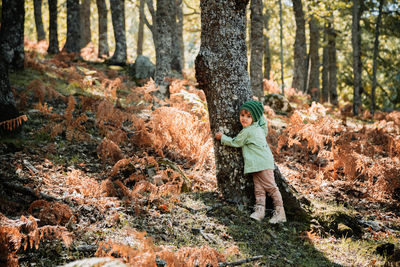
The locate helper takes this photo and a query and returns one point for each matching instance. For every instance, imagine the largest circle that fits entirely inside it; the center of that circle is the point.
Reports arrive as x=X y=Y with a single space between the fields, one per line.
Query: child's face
x=245 y=118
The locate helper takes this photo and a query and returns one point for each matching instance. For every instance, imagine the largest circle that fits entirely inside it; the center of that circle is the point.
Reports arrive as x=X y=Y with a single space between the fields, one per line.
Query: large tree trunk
x=325 y=67
x=53 y=33
x=85 y=23
x=313 y=85
x=8 y=109
x=267 y=50
x=221 y=71
x=103 y=39
x=376 y=52
x=357 y=65
x=300 y=48
x=333 y=97
x=37 y=10
x=256 y=48
x=72 y=45
x=163 y=35
x=118 y=20
x=177 y=37
x=139 y=50
x=12 y=33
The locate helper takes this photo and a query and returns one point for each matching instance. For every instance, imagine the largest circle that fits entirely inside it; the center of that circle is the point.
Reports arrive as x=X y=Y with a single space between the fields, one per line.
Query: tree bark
x=333 y=97
x=118 y=20
x=256 y=48
x=53 y=33
x=37 y=10
x=72 y=45
x=12 y=33
x=267 y=50
x=85 y=23
x=325 y=67
x=179 y=21
x=313 y=85
x=357 y=65
x=8 y=109
x=300 y=48
x=139 y=50
x=163 y=35
x=376 y=52
x=221 y=71
x=103 y=39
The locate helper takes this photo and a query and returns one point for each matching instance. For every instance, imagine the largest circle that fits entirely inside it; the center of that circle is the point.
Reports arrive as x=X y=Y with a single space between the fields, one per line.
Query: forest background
x=101 y=160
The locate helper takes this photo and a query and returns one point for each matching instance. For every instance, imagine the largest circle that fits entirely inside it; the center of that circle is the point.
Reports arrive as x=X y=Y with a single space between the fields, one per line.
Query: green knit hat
x=255 y=108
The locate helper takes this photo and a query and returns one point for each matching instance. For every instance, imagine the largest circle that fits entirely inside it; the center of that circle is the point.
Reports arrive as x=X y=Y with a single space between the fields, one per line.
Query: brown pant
x=264 y=181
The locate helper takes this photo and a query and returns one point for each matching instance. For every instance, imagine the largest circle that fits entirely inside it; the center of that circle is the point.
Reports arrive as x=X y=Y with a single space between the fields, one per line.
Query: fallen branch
x=28 y=191
x=176 y=168
x=236 y=263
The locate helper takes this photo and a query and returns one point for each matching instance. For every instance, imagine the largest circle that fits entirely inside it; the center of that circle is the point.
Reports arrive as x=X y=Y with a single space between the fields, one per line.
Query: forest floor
x=101 y=168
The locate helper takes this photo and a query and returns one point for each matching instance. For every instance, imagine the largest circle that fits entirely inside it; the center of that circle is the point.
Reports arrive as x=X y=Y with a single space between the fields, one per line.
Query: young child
x=258 y=158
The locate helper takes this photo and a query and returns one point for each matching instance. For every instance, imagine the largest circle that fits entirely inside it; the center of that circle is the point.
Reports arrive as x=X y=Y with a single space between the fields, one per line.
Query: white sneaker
x=279 y=215
x=259 y=213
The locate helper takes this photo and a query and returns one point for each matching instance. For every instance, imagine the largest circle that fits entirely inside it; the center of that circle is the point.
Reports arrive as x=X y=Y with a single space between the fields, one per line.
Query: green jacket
x=256 y=152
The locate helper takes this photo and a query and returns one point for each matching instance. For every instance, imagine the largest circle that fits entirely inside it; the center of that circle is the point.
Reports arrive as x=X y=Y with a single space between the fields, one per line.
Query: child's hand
x=218 y=136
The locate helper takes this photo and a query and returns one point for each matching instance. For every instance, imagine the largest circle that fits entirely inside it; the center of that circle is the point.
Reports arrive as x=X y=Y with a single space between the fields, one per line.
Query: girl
x=258 y=159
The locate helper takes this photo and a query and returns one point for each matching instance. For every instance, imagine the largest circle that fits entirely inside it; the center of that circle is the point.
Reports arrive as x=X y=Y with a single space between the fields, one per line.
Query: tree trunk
x=313 y=85
x=176 y=59
x=103 y=39
x=357 y=65
x=72 y=45
x=281 y=46
x=376 y=52
x=325 y=67
x=179 y=21
x=256 y=48
x=37 y=10
x=139 y=50
x=118 y=20
x=8 y=109
x=163 y=35
x=85 y=23
x=221 y=71
x=300 y=48
x=12 y=33
x=267 y=51
x=53 y=33
x=333 y=97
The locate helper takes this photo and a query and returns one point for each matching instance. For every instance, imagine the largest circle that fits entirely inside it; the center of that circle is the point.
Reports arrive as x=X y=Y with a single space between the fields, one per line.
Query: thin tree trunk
x=176 y=31
x=325 y=67
x=85 y=23
x=300 y=48
x=221 y=71
x=53 y=34
x=179 y=21
x=357 y=65
x=281 y=45
x=118 y=21
x=72 y=45
x=103 y=39
x=267 y=50
x=333 y=97
x=12 y=33
x=139 y=51
x=163 y=41
x=313 y=85
x=37 y=10
x=376 y=52
x=256 y=48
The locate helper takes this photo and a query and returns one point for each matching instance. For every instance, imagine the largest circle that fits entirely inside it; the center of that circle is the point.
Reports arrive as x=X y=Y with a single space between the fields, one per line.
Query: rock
x=278 y=103
x=142 y=69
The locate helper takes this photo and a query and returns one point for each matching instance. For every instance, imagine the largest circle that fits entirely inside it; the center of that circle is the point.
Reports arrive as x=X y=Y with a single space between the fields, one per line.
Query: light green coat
x=256 y=152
